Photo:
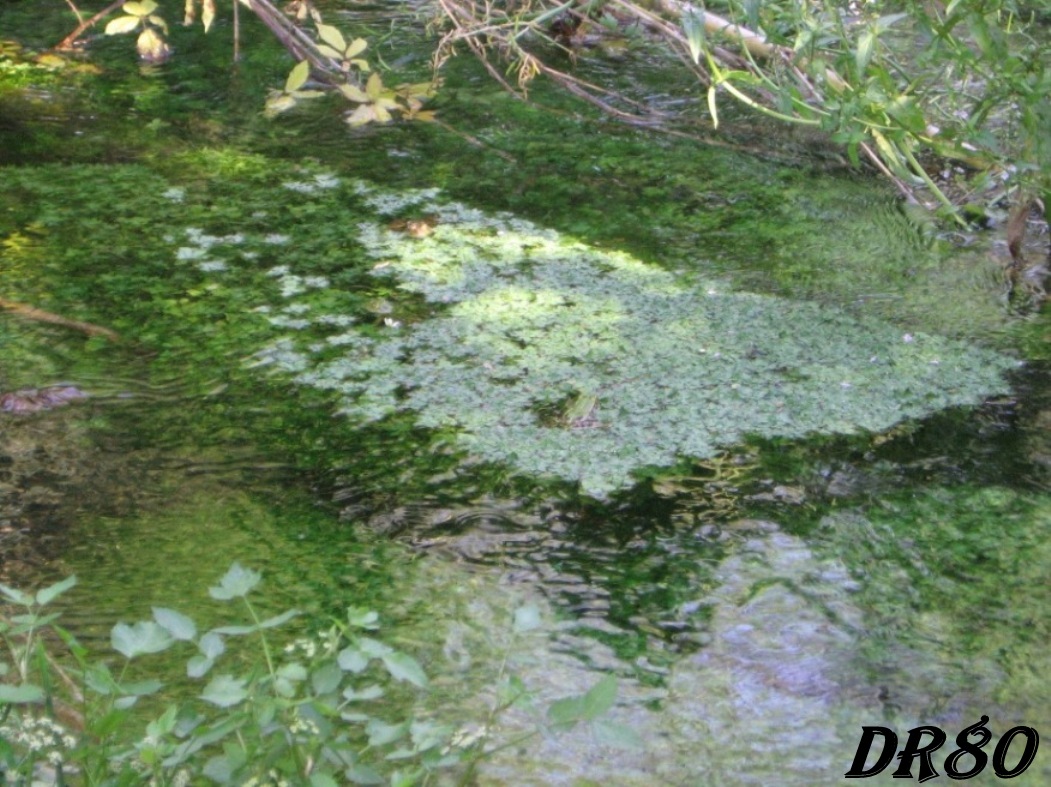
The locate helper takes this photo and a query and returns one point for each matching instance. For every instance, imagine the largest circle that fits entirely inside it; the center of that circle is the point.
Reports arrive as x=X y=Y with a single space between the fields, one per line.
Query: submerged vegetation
x=541 y=354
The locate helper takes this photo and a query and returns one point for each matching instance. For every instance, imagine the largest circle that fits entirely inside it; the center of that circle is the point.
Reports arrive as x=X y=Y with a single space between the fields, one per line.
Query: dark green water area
x=756 y=438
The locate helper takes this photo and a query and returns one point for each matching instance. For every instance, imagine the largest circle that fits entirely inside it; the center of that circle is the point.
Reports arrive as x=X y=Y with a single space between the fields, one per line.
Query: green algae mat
x=534 y=350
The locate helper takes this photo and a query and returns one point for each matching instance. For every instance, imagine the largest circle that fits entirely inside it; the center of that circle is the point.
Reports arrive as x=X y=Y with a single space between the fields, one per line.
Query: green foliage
x=316 y=712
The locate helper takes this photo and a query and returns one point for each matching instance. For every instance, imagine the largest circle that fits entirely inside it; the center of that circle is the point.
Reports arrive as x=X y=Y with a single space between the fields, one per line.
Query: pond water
x=759 y=603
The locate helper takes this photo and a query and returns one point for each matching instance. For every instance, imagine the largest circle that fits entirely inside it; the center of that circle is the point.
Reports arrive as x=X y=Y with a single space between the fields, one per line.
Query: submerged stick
x=33 y=313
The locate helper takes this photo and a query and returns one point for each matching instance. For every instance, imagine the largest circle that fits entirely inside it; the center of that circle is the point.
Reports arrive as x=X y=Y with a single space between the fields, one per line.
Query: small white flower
x=908 y=338
x=276 y=239
x=212 y=266
x=175 y=194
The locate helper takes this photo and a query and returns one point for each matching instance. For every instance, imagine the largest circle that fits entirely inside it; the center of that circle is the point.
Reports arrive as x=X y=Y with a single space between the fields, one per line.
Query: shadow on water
x=758 y=607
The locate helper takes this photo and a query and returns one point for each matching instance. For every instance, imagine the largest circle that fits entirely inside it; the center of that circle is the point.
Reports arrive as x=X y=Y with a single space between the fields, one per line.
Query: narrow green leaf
x=711 y=106
x=278 y=620
x=693 y=27
x=866 y=42
x=49 y=594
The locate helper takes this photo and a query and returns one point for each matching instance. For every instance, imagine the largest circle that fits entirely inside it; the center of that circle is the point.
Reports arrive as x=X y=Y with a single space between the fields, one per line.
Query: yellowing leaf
x=207 y=13
x=152 y=47
x=122 y=24
x=357 y=46
x=298 y=77
x=159 y=21
x=328 y=51
x=427 y=116
x=360 y=116
x=331 y=36
x=374 y=87
x=354 y=93
x=281 y=102
x=381 y=113
x=143 y=8
x=361 y=65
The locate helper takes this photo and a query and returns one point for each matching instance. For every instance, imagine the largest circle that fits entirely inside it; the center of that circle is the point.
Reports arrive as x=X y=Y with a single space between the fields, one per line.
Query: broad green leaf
x=238 y=581
x=326 y=678
x=360 y=773
x=352 y=660
x=122 y=24
x=294 y=672
x=402 y=666
x=97 y=677
x=123 y=703
x=362 y=618
x=236 y=631
x=380 y=733
x=49 y=594
x=297 y=78
x=354 y=93
x=139 y=638
x=198 y=666
x=371 y=692
x=566 y=712
x=373 y=647
x=322 y=780
x=621 y=736
x=600 y=698
x=885 y=22
x=333 y=37
x=22 y=694
x=211 y=645
x=164 y=724
x=527 y=618
x=225 y=691
x=175 y=623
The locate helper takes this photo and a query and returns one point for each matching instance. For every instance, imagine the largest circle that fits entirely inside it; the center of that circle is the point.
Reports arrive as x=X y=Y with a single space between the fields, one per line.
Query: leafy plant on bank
x=966 y=80
x=305 y=714
x=325 y=58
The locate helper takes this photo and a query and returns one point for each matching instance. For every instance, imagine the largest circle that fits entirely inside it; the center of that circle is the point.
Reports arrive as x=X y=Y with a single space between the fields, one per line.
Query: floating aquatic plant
x=563 y=360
